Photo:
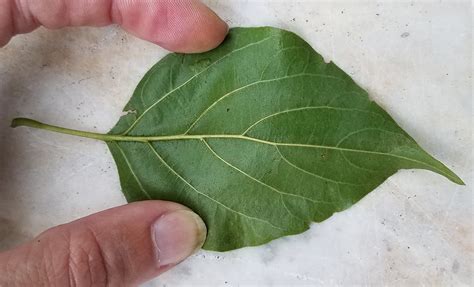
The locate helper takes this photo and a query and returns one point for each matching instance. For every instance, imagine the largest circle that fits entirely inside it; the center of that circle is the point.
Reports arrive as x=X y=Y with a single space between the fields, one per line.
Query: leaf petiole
x=18 y=122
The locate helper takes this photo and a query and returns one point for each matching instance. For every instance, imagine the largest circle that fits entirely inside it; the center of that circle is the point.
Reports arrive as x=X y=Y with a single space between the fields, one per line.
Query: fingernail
x=177 y=235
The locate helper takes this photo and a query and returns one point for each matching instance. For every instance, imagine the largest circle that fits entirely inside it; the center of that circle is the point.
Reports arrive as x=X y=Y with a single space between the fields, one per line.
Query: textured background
x=413 y=58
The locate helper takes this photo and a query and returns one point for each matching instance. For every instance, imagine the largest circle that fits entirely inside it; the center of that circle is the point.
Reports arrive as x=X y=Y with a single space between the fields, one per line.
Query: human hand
x=130 y=244
x=122 y=246
x=186 y=26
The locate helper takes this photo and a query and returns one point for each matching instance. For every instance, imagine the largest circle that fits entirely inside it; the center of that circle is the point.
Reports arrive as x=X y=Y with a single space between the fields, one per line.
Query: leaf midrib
x=241 y=137
x=145 y=139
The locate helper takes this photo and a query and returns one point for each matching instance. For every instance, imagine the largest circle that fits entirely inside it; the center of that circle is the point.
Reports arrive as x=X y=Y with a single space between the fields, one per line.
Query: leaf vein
x=131 y=171
x=314 y=174
x=259 y=181
x=363 y=130
x=235 y=136
x=353 y=164
x=189 y=80
x=205 y=195
x=301 y=109
x=210 y=107
x=276 y=54
x=282 y=199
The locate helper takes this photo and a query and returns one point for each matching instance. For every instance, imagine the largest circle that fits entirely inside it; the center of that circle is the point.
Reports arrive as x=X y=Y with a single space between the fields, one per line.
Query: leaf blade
x=261 y=120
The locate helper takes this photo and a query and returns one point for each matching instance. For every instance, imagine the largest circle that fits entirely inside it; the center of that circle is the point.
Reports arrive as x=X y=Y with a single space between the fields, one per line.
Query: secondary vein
x=188 y=81
x=259 y=181
x=140 y=185
x=205 y=195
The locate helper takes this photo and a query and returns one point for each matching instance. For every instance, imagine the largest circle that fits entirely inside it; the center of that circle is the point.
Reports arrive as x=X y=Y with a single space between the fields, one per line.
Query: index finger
x=186 y=26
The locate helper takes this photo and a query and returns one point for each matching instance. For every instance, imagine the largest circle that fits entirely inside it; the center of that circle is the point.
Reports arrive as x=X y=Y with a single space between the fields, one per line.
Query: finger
x=182 y=26
x=126 y=245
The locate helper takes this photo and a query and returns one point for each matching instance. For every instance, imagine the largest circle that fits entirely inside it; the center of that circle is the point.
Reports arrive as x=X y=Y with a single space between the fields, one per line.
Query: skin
x=130 y=244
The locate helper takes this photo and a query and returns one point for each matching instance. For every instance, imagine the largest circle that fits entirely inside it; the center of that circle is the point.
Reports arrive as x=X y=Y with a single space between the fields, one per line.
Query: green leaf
x=260 y=137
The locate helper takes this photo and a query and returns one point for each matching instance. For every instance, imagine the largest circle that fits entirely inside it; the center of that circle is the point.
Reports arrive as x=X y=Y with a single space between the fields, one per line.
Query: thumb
x=126 y=245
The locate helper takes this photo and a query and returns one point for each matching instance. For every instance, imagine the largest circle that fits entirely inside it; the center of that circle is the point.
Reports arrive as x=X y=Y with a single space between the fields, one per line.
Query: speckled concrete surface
x=413 y=58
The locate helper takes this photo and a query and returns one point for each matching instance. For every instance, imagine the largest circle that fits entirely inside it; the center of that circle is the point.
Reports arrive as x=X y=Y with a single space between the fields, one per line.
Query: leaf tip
x=456 y=179
x=453 y=177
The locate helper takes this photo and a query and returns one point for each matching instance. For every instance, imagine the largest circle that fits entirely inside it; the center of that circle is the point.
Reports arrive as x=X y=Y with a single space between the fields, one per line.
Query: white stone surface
x=413 y=58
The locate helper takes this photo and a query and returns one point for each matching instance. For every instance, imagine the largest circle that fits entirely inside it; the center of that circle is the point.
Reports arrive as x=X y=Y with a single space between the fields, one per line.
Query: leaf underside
x=260 y=137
